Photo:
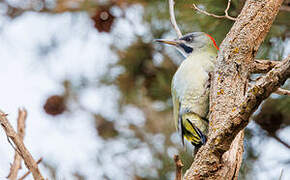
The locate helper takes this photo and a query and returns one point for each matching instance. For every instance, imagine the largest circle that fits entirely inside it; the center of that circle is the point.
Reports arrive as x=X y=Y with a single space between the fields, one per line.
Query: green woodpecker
x=190 y=85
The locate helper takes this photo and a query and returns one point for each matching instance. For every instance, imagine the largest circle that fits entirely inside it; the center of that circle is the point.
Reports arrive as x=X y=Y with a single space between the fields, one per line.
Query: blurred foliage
x=148 y=70
x=274 y=114
x=141 y=73
x=105 y=128
x=55 y=105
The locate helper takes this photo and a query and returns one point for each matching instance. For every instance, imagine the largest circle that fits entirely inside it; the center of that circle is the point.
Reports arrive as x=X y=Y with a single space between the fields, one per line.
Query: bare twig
x=280 y=140
x=28 y=172
x=172 y=18
x=179 y=165
x=22 y=114
x=25 y=154
x=228 y=7
x=281 y=91
x=217 y=16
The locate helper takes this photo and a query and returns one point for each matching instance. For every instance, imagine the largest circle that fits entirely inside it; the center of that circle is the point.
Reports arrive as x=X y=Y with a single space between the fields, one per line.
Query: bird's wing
x=176 y=106
x=176 y=115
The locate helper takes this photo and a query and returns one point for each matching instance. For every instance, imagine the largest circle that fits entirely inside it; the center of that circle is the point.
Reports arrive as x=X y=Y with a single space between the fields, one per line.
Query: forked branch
x=20 y=147
x=264 y=66
x=214 y=15
x=266 y=85
x=28 y=172
x=22 y=114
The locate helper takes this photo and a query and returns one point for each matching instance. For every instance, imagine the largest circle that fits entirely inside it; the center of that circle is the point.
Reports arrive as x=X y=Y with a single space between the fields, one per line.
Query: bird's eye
x=188 y=39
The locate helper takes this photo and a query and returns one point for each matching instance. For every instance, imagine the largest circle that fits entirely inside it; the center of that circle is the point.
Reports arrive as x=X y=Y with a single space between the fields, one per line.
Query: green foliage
x=141 y=73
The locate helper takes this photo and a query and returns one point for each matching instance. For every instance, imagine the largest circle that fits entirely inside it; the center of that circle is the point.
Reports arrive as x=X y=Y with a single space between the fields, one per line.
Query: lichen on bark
x=221 y=156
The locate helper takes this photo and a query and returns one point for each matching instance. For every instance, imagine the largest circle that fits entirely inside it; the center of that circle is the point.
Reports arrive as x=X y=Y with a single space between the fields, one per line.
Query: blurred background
x=97 y=89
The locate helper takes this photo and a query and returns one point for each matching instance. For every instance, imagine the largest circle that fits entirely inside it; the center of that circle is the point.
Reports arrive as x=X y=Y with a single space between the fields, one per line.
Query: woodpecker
x=190 y=85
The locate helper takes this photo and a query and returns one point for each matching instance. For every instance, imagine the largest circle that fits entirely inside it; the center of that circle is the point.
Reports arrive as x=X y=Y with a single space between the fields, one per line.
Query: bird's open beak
x=170 y=42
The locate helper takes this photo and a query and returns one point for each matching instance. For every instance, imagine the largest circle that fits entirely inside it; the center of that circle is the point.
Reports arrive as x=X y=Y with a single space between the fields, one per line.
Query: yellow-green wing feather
x=176 y=107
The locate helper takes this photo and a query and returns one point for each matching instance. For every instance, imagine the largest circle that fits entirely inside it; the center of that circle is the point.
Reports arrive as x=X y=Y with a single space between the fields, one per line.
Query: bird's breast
x=190 y=84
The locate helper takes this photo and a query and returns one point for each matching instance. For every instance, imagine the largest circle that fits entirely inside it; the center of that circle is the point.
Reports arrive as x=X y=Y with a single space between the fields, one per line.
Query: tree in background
x=147 y=69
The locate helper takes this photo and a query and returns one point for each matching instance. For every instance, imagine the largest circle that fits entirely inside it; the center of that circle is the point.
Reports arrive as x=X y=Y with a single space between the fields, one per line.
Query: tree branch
x=214 y=15
x=25 y=154
x=233 y=157
x=22 y=114
x=280 y=140
x=179 y=166
x=28 y=172
x=262 y=89
x=262 y=66
x=281 y=91
x=285 y=8
x=172 y=18
x=231 y=105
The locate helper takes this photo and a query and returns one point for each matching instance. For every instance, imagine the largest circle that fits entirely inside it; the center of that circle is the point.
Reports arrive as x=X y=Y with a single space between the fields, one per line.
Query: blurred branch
x=172 y=18
x=281 y=91
x=281 y=174
x=214 y=15
x=21 y=149
x=28 y=172
x=280 y=140
x=262 y=66
x=285 y=8
x=22 y=114
x=179 y=165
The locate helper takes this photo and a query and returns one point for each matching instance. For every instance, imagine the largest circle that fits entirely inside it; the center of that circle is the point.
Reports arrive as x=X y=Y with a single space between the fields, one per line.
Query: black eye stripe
x=186 y=48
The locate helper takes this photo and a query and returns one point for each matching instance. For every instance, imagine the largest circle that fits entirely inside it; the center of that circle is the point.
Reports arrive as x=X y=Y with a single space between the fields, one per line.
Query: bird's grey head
x=191 y=42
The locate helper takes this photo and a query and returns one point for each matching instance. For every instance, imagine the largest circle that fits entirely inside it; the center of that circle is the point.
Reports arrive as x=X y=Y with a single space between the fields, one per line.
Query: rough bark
x=28 y=172
x=232 y=159
x=231 y=103
x=262 y=66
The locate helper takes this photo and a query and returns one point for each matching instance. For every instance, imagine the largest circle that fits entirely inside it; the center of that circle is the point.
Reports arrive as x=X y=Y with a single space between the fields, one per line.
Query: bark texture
x=231 y=102
x=262 y=66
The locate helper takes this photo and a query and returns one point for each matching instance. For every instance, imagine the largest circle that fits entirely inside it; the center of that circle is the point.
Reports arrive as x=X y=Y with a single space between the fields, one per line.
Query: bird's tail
x=194 y=129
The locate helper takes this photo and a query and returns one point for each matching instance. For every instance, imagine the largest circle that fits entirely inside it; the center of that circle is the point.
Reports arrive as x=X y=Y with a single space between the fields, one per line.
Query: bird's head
x=192 y=42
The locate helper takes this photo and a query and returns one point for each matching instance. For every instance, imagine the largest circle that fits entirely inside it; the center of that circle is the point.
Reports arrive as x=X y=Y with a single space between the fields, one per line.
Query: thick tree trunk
x=231 y=102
